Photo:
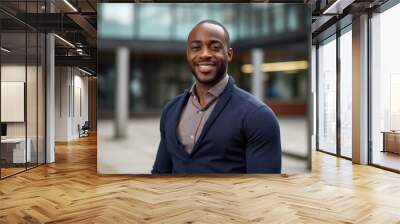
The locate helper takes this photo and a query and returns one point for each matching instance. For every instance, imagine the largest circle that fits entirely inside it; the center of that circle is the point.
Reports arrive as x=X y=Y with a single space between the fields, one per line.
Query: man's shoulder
x=173 y=102
x=257 y=113
x=247 y=100
x=254 y=108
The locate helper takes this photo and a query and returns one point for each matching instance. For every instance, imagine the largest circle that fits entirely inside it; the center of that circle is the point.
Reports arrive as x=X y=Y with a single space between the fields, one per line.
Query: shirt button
x=192 y=137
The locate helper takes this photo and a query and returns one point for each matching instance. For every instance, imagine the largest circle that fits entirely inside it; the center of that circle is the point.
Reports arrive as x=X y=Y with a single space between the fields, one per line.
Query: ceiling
x=74 y=22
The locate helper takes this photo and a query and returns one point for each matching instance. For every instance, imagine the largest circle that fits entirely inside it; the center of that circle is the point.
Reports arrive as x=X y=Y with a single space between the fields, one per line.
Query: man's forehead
x=209 y=41
x=207 y=29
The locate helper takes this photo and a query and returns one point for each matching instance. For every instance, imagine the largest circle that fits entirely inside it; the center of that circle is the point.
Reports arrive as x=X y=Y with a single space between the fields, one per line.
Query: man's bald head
x=227 y=38
x=208 y=52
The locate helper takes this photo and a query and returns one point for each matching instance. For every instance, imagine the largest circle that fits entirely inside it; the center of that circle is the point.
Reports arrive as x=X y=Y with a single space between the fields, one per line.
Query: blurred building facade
x=155 y=36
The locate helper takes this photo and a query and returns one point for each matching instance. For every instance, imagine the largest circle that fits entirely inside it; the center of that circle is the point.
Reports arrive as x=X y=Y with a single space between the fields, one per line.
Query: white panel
x=12 y=101
x=77 y=112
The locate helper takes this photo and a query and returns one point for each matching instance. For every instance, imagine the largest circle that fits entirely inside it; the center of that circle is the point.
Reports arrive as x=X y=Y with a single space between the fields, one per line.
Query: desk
x=391 y=141
x=15 y=148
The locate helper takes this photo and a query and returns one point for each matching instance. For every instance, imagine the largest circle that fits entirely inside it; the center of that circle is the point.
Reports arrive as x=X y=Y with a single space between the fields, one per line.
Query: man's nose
x=205 y=53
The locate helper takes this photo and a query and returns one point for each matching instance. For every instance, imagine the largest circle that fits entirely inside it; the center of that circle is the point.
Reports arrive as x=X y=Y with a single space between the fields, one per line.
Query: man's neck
x=201 y=90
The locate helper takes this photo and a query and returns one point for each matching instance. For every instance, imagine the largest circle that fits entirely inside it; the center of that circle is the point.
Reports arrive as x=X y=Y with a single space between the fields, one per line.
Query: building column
x=122 y=92
x=257 y=87
x=360 y=90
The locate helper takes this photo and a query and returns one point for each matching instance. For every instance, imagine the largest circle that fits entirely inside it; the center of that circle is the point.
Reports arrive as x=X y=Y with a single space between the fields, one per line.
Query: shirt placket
x=197 y=122
x=199 y=116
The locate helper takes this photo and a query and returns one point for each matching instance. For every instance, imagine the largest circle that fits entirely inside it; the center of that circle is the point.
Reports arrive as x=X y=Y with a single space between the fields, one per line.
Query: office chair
x=84 y=130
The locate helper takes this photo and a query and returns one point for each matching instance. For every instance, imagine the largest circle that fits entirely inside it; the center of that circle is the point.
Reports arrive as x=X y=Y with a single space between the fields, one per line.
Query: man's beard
x=219 y=74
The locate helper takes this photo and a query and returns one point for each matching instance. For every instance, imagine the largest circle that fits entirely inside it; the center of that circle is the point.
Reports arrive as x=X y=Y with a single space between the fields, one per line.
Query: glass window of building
x=346 y=92
x=327 y=96
x=266 y=22
x=153 y=29
x=279 y=24
x=116 y=25
x=385 y=88
x=183 y=21
x=293 y=21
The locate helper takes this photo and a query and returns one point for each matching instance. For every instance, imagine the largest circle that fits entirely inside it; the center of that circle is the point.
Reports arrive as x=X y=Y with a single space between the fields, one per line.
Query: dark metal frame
x=316 y=97
x=369 y=77
x=338 y=98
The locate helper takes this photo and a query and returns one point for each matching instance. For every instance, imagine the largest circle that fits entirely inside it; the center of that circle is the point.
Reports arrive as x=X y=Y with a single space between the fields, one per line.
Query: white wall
x=71 y=94
x=33 y=126
x=62 y=80
x=12 y=73
x=80 y=94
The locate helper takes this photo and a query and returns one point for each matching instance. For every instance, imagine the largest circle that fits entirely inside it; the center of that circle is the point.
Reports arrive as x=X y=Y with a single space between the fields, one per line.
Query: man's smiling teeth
x=205 y=63
x=205 y=67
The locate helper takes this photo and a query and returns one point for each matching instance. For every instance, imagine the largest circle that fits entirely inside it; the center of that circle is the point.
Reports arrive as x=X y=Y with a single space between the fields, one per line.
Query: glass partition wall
x=14 y=146
x=22 y=94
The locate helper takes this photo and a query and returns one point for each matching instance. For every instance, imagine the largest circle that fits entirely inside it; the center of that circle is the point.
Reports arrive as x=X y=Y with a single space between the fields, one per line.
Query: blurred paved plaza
x=135 y=154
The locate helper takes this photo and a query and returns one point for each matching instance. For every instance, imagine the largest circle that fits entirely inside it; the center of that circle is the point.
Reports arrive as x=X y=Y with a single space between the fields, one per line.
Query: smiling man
x=216 y=127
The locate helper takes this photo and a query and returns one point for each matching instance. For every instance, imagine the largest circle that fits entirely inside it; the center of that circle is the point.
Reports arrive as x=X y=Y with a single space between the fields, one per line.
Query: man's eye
x=195 y=48
x=215 y=47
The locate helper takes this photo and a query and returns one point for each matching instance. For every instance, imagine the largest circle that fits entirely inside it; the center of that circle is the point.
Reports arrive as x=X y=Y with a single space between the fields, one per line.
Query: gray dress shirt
x=194 y=116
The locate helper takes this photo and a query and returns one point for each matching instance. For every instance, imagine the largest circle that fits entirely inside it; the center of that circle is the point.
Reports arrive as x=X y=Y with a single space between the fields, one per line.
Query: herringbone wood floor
x=70 y=191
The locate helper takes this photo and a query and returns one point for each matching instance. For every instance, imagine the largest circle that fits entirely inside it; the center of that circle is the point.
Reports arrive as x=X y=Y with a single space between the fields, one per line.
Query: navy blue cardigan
x=240 y=136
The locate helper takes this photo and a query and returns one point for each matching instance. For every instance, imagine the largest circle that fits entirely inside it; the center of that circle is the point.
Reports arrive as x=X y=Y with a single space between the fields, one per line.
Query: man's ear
x=230 y=54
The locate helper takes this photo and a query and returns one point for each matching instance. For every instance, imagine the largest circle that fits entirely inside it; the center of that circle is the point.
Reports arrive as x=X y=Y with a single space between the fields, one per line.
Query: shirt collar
x=216 y=90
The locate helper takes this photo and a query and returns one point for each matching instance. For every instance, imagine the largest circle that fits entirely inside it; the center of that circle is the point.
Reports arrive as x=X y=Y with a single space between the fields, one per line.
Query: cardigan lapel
x=175 y=121
x=221 y=103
